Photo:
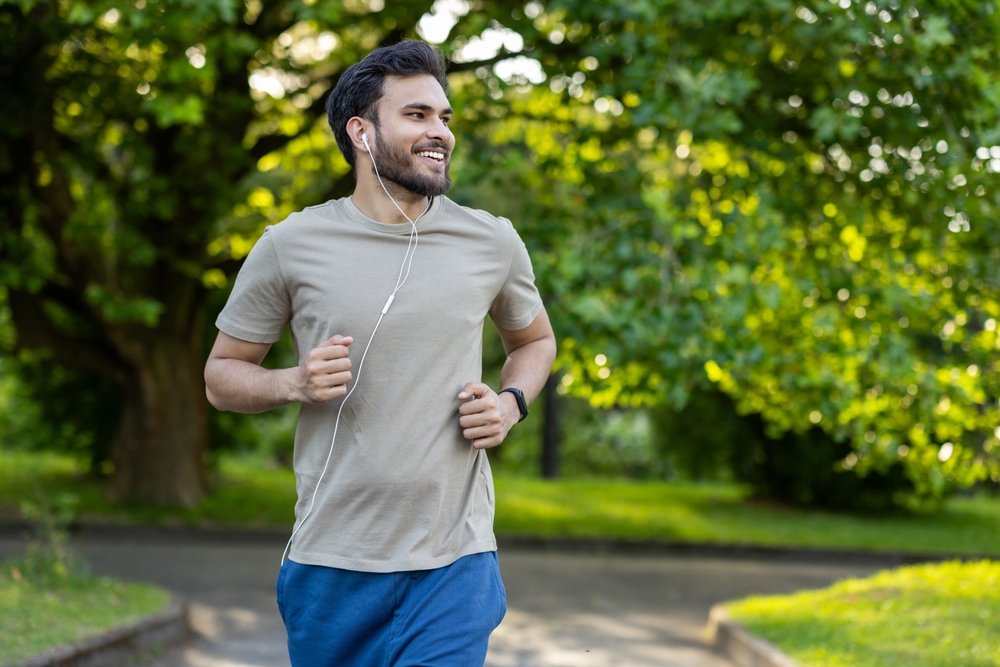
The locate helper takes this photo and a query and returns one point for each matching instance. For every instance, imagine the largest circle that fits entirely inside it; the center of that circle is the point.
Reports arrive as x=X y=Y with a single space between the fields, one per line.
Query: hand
x=488 y=417
x=326 y=371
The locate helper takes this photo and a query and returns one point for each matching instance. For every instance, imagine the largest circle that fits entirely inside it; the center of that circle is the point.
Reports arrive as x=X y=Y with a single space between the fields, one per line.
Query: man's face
x=413 y=144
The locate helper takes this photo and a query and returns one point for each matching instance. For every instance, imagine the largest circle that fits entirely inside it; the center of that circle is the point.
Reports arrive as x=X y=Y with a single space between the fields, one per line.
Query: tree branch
x=563 y=49
x=268 y=21
x=475 y=64
x=36 y=331
x=274 y=142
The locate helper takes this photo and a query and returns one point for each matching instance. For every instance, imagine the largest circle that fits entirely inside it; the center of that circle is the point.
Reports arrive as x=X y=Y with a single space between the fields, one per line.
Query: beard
x=399 y=166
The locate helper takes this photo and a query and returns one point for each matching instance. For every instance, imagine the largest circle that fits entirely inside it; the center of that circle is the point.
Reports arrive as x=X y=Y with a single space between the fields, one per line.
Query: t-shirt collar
x=400 y=228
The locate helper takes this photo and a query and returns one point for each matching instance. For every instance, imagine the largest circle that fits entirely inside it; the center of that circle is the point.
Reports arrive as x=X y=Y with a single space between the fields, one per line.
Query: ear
x=356 y=128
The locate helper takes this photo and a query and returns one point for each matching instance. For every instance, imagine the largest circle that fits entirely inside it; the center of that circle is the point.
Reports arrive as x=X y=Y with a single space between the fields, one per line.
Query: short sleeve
x=259 y=306
x=517 y=303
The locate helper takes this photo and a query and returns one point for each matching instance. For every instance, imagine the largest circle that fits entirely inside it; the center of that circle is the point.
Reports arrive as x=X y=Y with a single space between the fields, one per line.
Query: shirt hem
x=522 y=322
x=408 y=565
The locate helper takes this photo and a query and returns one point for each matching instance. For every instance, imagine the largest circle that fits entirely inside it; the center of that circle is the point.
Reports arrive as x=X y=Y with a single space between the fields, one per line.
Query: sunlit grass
x=606 y=508
x=942 y=615
x=250 y=492
x=723 y=515
x=37 y=615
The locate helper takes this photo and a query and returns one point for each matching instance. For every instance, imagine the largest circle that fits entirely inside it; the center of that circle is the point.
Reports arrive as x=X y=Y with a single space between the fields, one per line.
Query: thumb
x=337 y=340
x=473 y=389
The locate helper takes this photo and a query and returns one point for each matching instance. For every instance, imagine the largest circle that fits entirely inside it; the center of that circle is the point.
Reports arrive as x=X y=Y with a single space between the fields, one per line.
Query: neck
x=372 y=200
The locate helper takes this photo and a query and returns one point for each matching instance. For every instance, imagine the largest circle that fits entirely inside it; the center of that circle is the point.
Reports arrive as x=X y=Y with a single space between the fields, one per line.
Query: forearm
x=240 y=386
x=529 y=366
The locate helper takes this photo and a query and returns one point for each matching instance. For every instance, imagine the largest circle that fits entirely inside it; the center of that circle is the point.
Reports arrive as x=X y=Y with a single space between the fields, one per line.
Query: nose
x=438 y=131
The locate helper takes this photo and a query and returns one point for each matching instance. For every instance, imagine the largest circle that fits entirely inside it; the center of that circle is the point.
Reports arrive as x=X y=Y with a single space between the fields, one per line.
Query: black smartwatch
x=522 y=405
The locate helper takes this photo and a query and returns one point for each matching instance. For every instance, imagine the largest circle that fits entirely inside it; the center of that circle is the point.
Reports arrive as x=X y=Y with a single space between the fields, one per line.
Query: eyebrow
x=420 y=106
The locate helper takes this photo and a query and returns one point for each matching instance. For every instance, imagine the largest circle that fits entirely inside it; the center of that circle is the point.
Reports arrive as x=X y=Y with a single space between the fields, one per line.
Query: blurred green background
x=766 y=232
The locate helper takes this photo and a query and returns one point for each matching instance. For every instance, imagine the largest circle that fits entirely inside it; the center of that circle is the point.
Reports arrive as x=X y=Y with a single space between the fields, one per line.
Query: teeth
x=431 y=154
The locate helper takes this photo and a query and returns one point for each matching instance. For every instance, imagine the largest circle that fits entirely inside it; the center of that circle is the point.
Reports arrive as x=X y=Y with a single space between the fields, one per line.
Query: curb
x=122 y=646
x=734 y=642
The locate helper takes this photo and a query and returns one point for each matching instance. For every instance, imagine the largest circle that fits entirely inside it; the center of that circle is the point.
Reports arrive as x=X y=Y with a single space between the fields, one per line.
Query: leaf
x=937 y=32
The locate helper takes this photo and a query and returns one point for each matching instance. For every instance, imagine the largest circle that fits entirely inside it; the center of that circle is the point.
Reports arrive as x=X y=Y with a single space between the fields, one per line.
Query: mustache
x=443 y=148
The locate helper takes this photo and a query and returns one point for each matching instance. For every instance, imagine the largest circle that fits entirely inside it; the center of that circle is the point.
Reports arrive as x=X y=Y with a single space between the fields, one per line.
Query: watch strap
x=522 y=405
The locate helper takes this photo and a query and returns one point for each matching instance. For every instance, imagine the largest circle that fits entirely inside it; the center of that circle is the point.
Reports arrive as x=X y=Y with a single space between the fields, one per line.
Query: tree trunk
x=551 y=431
x=159 y=451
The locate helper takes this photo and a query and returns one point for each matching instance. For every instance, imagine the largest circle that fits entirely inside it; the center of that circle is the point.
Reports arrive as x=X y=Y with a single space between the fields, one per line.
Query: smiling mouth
x=435 y=157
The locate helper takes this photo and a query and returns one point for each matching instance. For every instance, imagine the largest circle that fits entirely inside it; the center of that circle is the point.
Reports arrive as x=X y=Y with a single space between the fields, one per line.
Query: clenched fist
x=487 y=418
x=326 y=371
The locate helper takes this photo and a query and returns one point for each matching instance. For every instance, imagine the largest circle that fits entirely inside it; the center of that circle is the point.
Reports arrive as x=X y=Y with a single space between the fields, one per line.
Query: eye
x=446 y=120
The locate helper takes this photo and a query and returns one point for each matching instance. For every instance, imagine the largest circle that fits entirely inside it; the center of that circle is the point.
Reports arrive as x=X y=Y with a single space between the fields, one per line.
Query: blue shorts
x=426 y=618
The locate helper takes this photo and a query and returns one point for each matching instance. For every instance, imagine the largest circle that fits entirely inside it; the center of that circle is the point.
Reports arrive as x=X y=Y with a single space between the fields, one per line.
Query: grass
x=249 y=493
x=942 y=615
x=724 y=515
x=246 y=492
x=36 y=615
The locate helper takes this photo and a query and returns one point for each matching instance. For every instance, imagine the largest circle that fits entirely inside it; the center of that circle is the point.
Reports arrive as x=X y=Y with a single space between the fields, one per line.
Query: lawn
x=36 y=615
x=248 y=492
x=723 y=515
x=941 y=615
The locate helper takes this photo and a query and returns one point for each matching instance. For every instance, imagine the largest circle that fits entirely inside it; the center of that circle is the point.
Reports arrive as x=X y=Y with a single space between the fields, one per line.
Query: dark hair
x=360 y=86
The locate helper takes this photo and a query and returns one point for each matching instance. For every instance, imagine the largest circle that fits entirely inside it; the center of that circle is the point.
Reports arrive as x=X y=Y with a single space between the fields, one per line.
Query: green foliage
x=925 y=616
x=791 y=203
x=49 y=560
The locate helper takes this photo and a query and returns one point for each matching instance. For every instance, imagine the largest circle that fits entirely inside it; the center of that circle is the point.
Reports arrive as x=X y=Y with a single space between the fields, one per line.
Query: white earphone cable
x=411 y=249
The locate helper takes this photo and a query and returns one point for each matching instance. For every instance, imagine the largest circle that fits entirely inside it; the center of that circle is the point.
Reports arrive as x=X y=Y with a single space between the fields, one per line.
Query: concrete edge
x=733 y=641
x=121 y=646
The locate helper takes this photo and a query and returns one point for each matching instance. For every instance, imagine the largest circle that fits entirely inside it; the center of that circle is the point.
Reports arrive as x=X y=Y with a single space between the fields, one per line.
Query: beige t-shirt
x=404 y=490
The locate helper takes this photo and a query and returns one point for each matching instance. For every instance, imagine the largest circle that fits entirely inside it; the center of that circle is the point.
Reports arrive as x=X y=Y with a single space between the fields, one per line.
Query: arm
x=235 y=381
x=530 y=353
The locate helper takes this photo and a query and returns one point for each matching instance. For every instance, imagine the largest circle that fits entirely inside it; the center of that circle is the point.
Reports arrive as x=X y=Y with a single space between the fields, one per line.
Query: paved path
x=563 y=610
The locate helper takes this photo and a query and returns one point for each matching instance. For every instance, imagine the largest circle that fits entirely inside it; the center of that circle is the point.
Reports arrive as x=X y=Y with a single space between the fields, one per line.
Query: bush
x=48 y=558
x=44 y=406
x=709 y=440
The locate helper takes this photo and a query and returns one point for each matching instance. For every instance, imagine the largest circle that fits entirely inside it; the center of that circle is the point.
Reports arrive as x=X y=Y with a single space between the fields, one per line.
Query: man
x=392 y=560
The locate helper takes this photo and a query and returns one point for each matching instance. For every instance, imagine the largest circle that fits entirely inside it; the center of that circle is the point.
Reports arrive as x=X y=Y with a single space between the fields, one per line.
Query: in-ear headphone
x=364 y=140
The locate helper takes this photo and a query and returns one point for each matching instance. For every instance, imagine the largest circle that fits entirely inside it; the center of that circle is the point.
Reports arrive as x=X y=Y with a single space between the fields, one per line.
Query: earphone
x=411 y=249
